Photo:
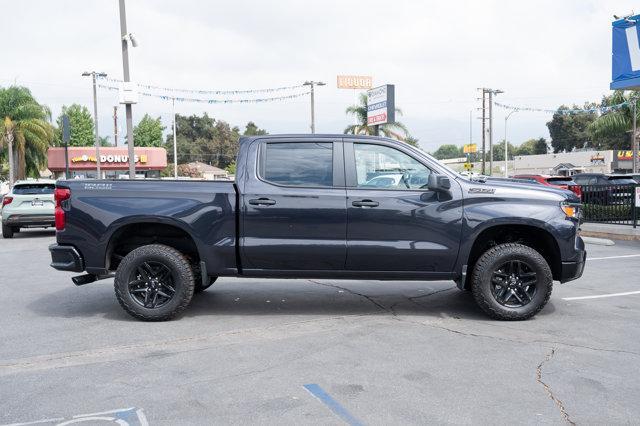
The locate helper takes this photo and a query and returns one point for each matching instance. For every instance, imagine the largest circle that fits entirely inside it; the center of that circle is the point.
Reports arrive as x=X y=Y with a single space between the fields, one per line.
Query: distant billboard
x=381 y=106
x=355 y=82
x=625 y=64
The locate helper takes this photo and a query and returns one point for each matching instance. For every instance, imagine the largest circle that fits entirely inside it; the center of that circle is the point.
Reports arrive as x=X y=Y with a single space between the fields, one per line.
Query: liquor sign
x=355 y=82
x=470 y=148
x=625 y=65
x=381 y=105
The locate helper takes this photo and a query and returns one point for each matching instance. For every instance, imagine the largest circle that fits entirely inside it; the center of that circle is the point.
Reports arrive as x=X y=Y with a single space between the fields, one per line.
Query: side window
x=379 y=166
x=299 y=163
x=593 y=181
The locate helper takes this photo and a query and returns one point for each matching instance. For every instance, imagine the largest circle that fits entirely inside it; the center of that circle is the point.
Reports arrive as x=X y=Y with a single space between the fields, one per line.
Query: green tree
x=612 y=130
x=448 y=151
x=148 y=132
x=498 y=151
x=569 y=131
x=411 y=141
x=395 y=130
x=81 y=130
x=533 y=147
x=252 y=130
x=202 y=138
x=24 y=131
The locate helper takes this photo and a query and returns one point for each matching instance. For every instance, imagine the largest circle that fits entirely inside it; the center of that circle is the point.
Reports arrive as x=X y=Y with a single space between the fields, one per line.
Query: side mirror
x=438 y=183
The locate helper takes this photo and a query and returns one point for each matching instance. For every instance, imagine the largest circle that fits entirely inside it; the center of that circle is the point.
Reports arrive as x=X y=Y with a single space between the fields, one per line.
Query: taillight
x=576 y=190
x=6 y=200
x=60 y=194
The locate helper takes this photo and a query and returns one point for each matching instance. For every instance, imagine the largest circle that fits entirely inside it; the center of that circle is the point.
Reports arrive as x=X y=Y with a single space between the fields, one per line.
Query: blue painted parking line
x=332 y=404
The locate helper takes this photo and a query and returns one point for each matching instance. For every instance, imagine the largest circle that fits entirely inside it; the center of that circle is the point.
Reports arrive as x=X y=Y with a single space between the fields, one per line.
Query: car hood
x=518 y=190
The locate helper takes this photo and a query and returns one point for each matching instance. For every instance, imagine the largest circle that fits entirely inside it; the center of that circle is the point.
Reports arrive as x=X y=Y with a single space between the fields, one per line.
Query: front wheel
x=511 y=282
x=154 y=282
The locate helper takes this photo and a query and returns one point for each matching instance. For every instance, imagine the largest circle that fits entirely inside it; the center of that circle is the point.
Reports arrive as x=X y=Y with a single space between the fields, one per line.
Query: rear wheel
x=512 y=282
x=154 y=282
x=7 y=231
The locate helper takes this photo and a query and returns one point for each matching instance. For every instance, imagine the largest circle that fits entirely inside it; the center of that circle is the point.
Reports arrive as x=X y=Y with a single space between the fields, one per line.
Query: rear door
x=403 y=226
x=294 y=207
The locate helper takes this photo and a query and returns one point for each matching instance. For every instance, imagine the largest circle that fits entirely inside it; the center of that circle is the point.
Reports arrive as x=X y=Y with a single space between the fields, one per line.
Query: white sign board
x=637 y=196
x=381 y=105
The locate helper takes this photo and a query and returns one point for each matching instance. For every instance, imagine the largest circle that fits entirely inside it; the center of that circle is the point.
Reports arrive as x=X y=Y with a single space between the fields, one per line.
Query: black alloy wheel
x=513 y=284
x=151 y=285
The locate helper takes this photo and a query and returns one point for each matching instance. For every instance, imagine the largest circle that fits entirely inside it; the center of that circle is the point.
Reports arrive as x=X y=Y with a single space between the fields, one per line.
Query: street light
x=506 y=153
x=312 y=84
x=93 y=75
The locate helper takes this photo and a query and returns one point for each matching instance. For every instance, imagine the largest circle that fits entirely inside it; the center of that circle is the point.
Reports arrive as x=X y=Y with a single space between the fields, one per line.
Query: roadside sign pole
x=175 y=146
x=128 y=108
x=65 y=138
x=634 y=138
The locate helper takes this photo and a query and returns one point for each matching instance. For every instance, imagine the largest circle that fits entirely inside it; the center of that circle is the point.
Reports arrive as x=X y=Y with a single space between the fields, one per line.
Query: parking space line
x=600 y=296
x=613 y=257
x=332 y=404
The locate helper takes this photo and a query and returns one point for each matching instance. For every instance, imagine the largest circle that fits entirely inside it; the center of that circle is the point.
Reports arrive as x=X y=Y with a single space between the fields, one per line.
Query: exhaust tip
x=84 y=279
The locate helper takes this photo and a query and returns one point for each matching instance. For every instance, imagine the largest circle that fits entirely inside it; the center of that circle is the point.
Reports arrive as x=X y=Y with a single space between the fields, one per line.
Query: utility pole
x=125 y=38
x=634 y=138
x=175 y=145
x=487 y=94
x=115 y=125
x=313 y=119
x=506 y=147
x=93 y=75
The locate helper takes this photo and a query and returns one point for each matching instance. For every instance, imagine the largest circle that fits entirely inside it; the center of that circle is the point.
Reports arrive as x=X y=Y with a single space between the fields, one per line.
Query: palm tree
x=395 y=130
x=615 y=121
x=23 y=125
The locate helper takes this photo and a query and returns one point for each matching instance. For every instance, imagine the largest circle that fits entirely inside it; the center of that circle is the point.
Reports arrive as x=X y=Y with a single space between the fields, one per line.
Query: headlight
x=571 y=210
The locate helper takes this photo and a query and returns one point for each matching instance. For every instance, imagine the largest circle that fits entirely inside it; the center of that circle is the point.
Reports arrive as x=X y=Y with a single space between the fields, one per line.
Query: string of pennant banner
x=207 y=92
x=208 y=101
x=600 y=109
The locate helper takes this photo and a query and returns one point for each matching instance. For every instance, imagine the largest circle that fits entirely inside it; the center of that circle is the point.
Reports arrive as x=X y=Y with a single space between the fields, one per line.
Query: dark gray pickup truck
x=320 y=206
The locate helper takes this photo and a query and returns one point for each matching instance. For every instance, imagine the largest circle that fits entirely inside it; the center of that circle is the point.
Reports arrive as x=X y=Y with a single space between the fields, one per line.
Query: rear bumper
x=573 y=270
x=66 y=258
x=27 y=220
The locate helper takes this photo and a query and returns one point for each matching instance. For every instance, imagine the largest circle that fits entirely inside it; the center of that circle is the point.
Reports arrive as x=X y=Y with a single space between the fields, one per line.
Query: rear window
x=299 y=164
x=620 y=180
x=34 y=189
x=560 y=180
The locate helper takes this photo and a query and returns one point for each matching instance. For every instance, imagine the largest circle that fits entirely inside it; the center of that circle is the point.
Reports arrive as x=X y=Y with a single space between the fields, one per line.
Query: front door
x=394 y=223
x=294 y=208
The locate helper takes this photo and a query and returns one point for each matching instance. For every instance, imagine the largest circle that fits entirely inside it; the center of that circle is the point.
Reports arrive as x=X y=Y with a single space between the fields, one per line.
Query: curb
x=609 y=235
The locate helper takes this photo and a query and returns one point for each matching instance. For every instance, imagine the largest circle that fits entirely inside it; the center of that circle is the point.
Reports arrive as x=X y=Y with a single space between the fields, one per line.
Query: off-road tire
x=182 y=276
x=199 y=288
x=7 y=231
x=492 y=259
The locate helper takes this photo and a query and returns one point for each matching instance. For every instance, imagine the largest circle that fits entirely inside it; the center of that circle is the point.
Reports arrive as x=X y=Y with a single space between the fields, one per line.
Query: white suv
x=29 y=204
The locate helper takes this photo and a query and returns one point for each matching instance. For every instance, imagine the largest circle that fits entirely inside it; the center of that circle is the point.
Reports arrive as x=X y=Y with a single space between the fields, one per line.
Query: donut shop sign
x=109 y=159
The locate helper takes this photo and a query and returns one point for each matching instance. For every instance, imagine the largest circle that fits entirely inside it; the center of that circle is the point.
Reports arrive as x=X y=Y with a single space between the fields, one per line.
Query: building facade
x=114 y=162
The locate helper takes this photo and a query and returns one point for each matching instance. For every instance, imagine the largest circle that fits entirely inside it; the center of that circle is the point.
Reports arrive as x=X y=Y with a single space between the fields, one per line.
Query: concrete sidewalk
x=614 y=232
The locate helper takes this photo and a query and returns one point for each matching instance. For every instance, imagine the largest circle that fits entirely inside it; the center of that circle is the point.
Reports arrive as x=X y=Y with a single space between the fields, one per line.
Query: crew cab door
x=294 y=206
x=394 y=223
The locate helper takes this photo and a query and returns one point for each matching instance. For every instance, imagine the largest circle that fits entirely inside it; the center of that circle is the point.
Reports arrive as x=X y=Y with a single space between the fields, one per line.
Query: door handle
x=262 y=202
x=365 y=203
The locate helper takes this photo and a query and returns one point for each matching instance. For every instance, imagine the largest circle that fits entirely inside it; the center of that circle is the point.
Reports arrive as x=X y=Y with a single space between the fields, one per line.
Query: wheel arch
x=536 y=236
x=128 y=236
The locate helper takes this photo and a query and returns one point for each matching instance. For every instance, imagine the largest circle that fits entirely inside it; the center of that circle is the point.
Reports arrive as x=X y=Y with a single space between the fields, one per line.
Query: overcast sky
x=541 y=53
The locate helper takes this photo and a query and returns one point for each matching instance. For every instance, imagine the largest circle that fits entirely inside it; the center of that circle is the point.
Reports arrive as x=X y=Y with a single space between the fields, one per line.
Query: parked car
x=29 y=204
x=561 y=182
x=602 y=189
x=300 y=207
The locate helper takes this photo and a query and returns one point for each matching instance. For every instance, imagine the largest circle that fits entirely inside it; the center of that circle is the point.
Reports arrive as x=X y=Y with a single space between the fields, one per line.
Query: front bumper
x=29 y=220
x=66 y=258
x=573 y=270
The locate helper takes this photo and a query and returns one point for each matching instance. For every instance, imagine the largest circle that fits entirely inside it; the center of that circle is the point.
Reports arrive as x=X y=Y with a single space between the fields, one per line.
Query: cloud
x=541 y=53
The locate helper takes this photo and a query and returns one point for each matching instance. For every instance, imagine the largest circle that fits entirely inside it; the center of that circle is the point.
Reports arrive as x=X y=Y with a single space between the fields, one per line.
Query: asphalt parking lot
x=317 y=352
